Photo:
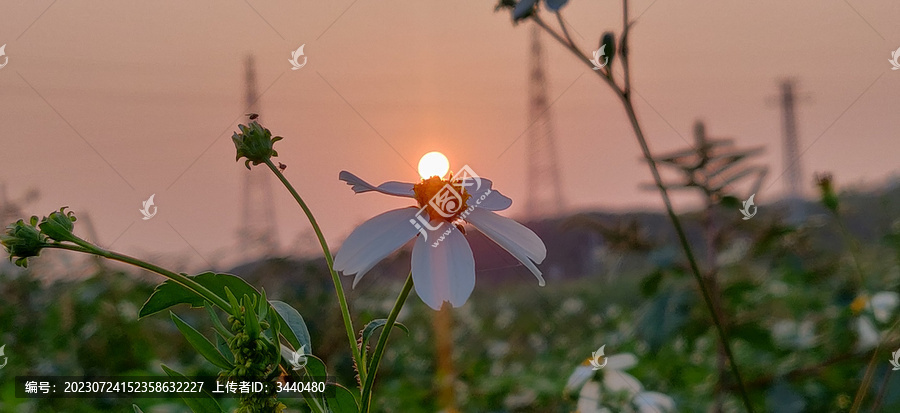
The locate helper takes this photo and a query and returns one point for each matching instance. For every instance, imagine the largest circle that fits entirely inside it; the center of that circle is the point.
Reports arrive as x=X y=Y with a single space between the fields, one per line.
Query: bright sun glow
x=433 y=164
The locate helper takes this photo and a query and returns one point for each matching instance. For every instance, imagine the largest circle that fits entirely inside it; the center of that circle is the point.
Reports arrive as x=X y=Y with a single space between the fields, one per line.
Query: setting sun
x=433 y=164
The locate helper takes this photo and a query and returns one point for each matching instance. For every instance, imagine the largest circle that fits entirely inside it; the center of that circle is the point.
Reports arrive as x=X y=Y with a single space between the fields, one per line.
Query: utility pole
x=545 y=198
x=258 y=236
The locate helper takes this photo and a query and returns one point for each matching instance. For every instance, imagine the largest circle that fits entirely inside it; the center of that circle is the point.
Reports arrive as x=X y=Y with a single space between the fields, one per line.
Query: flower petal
x=494 y=201
x=656 y=402
x=445 y=272
x=395 y=188
x=488 y=198
x=578 y=378
x=374 y=240
x=617 y=381
x=514 y=237
x=623 y=361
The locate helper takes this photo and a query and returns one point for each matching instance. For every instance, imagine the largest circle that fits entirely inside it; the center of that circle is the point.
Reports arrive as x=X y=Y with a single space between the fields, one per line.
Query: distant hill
x=596 y=243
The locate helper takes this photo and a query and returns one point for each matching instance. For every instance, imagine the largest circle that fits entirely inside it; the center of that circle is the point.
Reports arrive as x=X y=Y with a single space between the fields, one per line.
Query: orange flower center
x=443 y=199
x=859 y=303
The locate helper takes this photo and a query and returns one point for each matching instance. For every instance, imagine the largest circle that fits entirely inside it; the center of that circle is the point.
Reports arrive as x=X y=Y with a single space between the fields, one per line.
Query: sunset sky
x=104 y=103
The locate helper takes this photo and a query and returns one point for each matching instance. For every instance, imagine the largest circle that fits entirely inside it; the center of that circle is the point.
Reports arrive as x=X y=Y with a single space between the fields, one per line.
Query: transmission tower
x=258 y=233
x=544 y=190
x=793 y=175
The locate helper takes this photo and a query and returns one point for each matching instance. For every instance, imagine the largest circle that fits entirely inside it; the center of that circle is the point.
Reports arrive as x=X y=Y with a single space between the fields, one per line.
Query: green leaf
x=343 y=401
x=263 y=308
x=235 y=306
x=315 y=367
x=200 y=343
x=665 y=315
x=292 y=325
x=730 y=202
x=650 y=283
x=370 y=328
x=171 y=293
x=204 y=404
x=251 y=323
x=217 y=323
x=783 y=398
x=222 y=346
x=755 y=335
x=274 y=332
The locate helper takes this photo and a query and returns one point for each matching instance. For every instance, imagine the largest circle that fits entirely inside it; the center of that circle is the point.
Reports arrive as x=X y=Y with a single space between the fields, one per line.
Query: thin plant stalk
x=366 y=400
x=870 y=371
x=855 y=253
x=624 y=95
x=329 y=259
x=185 y=281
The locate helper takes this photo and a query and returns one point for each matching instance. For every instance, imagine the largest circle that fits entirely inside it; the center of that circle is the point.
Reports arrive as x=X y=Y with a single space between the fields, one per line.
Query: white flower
x=884 y=304
x=443 y=267
x=594 y=395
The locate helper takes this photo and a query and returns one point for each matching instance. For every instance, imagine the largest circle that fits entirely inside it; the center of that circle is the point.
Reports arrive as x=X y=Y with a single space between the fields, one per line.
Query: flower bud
x=826 y=191
x=254 y=143
x=609 y=40
x=59 y=225
x=23 y=240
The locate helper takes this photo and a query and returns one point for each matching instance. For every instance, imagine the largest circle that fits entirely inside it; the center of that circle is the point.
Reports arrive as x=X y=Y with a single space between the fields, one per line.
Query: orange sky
x=105 y=103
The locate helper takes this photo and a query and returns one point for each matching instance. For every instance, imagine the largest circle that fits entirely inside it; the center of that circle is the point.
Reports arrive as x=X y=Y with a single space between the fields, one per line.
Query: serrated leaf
x=200 y=343
x=204 y=404
x=370 y=328
x=293 y=328
x=170 y=293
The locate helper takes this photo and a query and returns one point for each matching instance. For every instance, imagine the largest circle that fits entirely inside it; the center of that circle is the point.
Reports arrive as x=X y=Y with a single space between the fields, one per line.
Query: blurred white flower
x=879 y=308
x=884 y=304
x=653 y=402
x=519 y=400
x=867 y=334
x=446 y=271
x=615 y=381
x=572 y=305
x=734 y=253
x=789 y=333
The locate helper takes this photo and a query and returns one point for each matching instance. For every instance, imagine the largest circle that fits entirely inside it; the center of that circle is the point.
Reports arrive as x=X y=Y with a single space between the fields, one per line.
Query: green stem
x=338 y=287
x=88 y=248
x=366 y=399
x=688 y=251
x=624 y=94
x=855 y=252
x=562 y=24
x=870 y=371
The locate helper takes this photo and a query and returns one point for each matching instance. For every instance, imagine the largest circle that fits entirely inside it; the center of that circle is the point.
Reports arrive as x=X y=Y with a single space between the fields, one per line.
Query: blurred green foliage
x=796 y=298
